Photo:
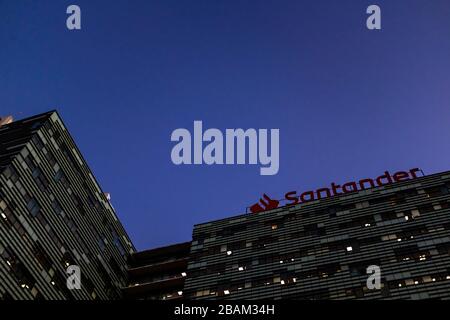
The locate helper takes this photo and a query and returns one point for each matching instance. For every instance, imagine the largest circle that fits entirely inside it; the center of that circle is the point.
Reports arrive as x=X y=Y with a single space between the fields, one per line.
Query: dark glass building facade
x=322 y=249
x=53 y=214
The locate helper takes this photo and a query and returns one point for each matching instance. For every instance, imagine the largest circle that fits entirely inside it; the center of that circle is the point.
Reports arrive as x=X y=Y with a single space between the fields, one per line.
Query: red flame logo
x=264 y=204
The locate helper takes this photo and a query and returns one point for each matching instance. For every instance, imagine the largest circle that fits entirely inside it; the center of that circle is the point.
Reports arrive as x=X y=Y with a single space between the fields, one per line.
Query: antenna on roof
x=6 y=120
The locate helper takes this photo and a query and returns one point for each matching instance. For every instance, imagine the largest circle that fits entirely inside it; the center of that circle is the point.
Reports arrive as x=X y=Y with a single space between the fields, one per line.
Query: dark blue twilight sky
x=349 y=102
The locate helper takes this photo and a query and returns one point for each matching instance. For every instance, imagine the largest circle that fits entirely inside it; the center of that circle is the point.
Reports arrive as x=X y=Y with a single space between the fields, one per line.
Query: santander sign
x=293 y=197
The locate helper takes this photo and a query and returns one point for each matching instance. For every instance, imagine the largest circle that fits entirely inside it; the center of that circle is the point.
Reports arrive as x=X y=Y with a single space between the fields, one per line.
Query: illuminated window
x=67 y=260
x=389 y=237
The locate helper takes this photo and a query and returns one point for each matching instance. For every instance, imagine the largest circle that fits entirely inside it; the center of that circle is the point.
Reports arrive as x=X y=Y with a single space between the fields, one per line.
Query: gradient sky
x=349 y=102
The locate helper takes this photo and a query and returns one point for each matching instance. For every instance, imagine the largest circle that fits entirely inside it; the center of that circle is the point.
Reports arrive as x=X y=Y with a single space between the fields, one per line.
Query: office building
x=53 y=214
x=158 y=274
x=321 y=249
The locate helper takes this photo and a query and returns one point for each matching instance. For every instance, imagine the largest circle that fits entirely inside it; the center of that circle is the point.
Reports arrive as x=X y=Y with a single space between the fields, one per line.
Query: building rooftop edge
x=242 y=215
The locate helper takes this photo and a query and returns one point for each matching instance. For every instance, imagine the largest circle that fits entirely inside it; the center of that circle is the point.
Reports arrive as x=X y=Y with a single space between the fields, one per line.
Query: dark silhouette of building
x=158 y=274
x=321 y=249
x=53 y=214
